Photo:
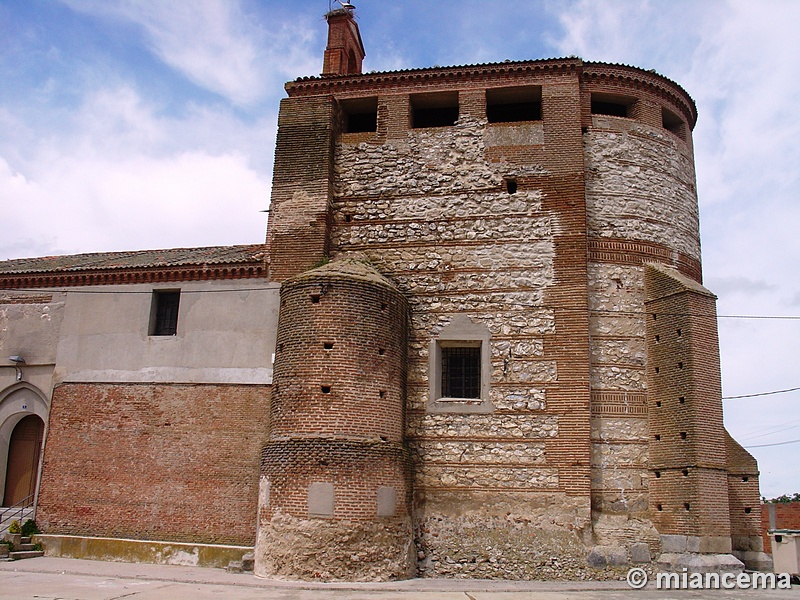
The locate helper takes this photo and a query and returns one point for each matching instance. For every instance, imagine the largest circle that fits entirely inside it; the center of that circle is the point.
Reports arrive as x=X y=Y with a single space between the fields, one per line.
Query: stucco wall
x=30 y=325
x=226 y=334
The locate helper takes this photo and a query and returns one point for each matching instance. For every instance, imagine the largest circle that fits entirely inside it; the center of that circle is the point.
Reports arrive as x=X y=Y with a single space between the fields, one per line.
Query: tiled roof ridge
x=478 y=66
x=166 y=257
x=333 y=79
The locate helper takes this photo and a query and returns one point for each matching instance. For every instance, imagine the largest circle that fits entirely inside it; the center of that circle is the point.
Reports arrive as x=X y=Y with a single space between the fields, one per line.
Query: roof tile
x=140 y=259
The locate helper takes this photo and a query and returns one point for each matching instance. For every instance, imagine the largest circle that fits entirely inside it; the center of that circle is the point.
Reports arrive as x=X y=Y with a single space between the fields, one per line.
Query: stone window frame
x=461 y=332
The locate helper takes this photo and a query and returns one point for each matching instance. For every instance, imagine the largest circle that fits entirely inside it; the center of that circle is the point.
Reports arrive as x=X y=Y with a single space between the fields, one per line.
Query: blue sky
x=130 y=124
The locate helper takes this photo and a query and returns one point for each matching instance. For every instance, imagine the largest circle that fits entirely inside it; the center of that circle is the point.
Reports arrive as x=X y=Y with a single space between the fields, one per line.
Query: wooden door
x=23 y=460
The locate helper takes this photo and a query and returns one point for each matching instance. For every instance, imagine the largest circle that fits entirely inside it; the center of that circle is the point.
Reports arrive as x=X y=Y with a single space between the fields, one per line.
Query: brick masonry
x=778 y=515
x=159 y=462
x=687 y=445
x=336 y=446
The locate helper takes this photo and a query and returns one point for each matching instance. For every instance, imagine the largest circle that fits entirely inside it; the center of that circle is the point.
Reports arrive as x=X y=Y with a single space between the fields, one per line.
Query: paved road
x=69 y=579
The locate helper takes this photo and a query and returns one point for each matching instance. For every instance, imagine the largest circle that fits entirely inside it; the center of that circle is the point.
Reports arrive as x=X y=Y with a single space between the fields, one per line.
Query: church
x=475 y=343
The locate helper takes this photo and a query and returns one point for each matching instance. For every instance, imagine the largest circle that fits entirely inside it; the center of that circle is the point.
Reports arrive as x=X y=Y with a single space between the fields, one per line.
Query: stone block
x=596 y=559
x=640 y=553
x=699 y=563
x=320 y=500
x=715 y=545
x=603 y=556
x=756 y=561
x=387 y=501
x=673 y=544
x=235 y=566
x=748 y=543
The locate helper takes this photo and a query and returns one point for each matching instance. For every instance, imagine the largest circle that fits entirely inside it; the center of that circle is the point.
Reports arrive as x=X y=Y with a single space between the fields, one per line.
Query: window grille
x=461 y=372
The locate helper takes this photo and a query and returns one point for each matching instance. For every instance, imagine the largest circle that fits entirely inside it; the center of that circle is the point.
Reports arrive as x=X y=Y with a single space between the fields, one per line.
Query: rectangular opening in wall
x=672 y=122
x=359 y=115
x=434 y=110
x=164 y=312
x=611 y=105
x=461 y=371
x=510 y=105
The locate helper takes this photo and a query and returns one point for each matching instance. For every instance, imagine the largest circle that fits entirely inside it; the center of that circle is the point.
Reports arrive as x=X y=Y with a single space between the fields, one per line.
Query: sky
x=134 y=124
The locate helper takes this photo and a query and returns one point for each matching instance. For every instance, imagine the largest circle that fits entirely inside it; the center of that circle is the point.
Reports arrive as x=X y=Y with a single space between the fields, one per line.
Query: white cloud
x=645 y=33
x=216 y=44
x=738 y=60
x=200 y=199
x=743 y=75
x=117 y=177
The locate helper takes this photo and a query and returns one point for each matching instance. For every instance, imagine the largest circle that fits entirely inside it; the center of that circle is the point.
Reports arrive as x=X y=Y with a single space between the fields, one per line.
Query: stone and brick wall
x=641 y=206
x=159 y=462
x=431 y=208
x=538 y=233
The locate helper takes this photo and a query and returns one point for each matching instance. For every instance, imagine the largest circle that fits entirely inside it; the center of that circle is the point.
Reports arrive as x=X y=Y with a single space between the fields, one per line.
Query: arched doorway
x=24 y=450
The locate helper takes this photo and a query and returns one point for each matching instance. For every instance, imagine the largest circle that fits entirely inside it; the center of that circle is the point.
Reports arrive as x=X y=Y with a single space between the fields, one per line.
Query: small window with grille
x=164 y=312
x=459 y=368
x=461 y=372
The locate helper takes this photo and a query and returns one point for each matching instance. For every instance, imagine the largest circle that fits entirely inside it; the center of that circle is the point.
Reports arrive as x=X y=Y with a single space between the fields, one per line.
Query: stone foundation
x=334 y=550
x=493 y=535
x=699 y=563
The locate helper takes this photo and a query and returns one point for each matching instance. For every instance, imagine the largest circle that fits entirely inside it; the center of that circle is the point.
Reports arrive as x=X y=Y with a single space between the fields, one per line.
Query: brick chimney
x=345 y=51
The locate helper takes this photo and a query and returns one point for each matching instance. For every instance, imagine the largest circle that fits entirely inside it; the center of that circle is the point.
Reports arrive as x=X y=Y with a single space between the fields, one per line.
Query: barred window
x=459 y=368
x=461 y=372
